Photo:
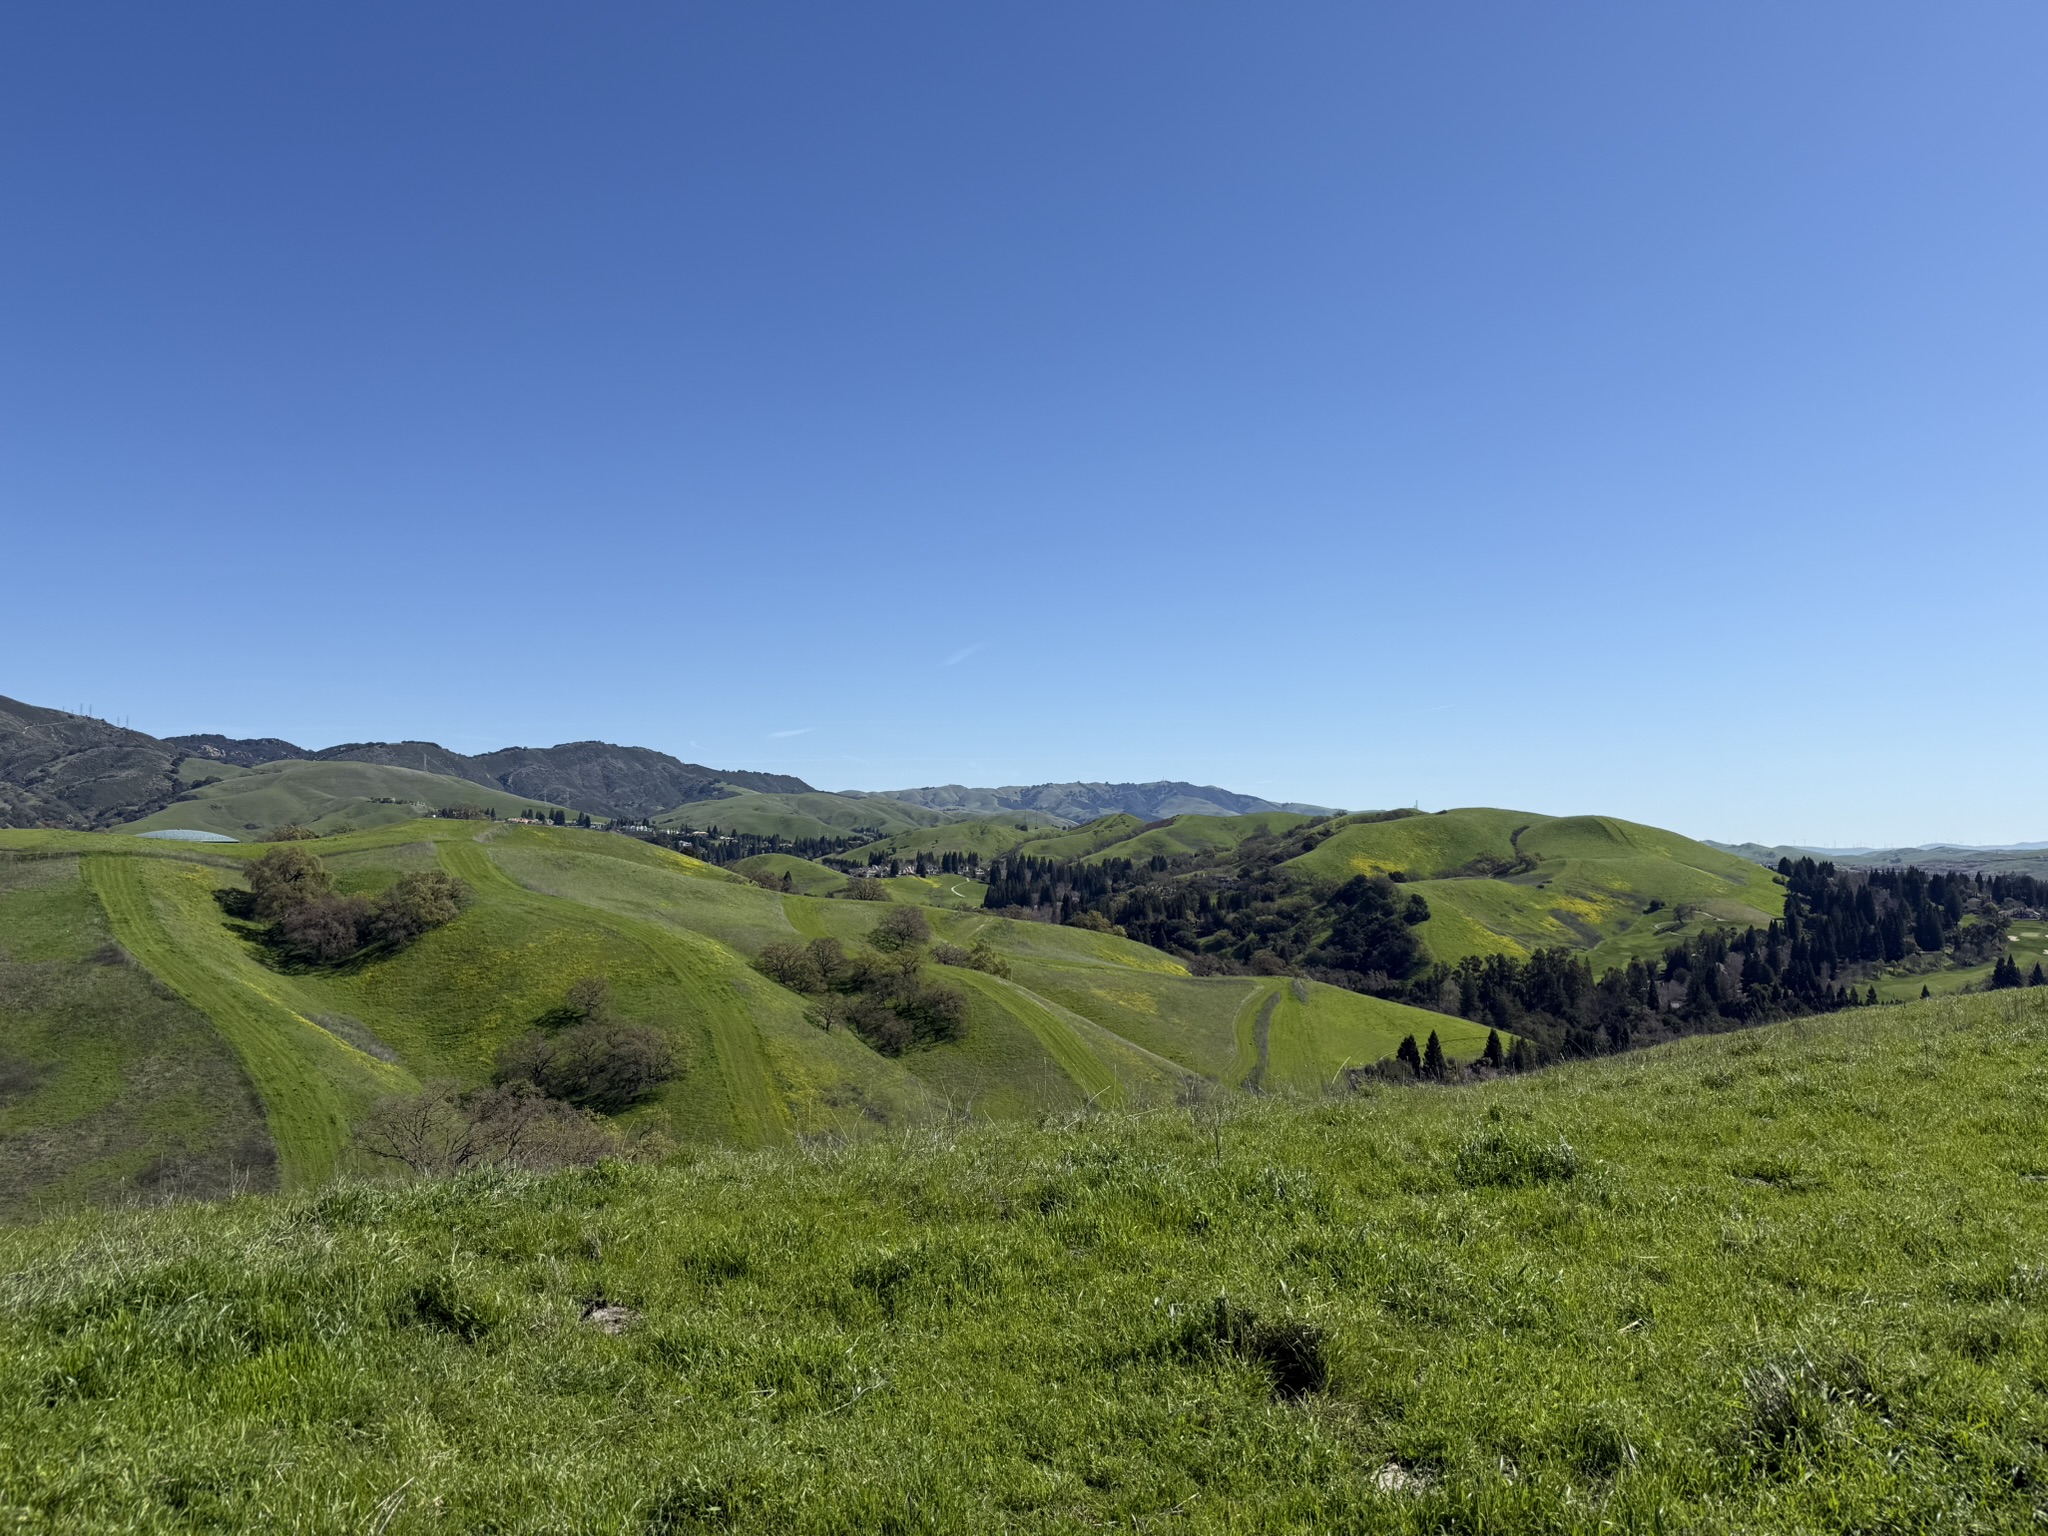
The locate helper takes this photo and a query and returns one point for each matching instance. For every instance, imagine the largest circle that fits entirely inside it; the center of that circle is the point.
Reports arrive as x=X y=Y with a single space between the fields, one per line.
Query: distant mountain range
x=59 y=769
x=64 y=770
x=594 y=776
x=1079 y=803
x=1963 y=858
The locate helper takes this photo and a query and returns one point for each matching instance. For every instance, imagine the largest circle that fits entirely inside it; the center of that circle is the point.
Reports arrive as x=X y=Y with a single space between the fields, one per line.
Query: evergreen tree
x=1924 y=993
x=1927 y=930
x=1407 y=1053
x=1434 y=1066
x=1492 y=1055
x=2039 y=978
x=1871 y=1000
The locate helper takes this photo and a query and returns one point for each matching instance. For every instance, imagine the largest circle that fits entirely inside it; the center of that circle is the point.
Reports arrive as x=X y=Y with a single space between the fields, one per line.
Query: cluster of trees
x=1053 y=890
x=291 y=890
x=881 y=995
x=1839 y=927
x=1429 y=1064
x=587 y=1057
x=2022 y=890
x=1882 y=916
x=1231 y=911
x=2007 y=974
x=728 y=847
x=546 y=1104
x=1557 y=1008
x=447 y=1128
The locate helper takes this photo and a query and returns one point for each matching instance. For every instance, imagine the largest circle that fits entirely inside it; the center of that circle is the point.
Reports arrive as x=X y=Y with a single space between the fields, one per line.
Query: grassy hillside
x=937 y=891
x=1509 y=882
x=311 y=1048
x=1787 y=1281
x=810 y=879
x=111 y=1086
x=320 y=796
x=1080 y=842
x=1199 y=834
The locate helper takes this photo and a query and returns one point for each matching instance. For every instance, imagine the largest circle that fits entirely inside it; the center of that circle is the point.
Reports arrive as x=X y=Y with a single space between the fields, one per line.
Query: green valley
x=1077 y=1015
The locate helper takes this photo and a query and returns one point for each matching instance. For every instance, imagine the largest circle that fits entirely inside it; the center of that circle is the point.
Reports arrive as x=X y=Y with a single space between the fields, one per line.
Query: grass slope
x=1589 y=884
x=321 y=796
x=1199 y=834
x=1091 y=837
x=1784 y=1281
x=952 y=891
x=110 y=1086
x=809 y=878
x=313 y=1083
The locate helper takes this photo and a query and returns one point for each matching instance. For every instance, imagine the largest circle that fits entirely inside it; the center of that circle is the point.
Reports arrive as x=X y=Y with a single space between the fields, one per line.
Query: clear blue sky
x=1627 y=408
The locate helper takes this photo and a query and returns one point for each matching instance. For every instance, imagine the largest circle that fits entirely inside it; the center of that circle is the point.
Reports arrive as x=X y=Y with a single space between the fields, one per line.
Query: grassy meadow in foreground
x=1787 y=1280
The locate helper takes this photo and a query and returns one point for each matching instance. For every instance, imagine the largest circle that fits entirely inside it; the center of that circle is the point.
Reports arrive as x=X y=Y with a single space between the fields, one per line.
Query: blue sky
x=1616 y=408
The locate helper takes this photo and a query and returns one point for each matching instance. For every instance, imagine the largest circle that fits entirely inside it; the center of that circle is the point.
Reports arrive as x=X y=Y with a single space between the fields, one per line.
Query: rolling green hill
x=1495 y=881
x=809 y=878
x=1104 y=833
x=1784 y=1281
x=1081 y=1016
x=318 y=795
x=1185 y=835
x=1510 y=882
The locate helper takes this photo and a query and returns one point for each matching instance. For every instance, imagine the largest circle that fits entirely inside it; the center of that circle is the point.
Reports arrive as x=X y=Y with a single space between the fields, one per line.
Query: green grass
x=111 y=1087
x=322 y=796
x=956 y=892
x=1055 y=1030
x=809 y=878
x=1790 y=1280
x=1314 y=1037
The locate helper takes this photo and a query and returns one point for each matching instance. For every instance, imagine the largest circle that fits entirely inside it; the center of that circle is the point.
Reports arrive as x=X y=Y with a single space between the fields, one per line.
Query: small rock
x=610 y=1319
x=1395 y=1478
